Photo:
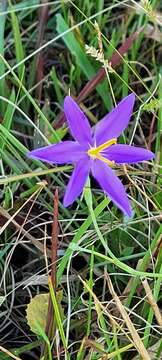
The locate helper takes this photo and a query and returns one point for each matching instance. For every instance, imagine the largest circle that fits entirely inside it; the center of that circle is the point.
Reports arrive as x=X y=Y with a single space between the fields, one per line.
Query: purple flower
x=95 y=151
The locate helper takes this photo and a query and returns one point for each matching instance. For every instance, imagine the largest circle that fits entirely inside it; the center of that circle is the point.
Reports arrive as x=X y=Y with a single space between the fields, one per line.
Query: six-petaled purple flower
x=95 y=151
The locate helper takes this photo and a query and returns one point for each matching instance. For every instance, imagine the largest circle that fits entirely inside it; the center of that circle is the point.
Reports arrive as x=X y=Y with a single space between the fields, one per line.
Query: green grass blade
x=77 y=237
x=56 y=85
x=19 y=51
x=7 y=121
x=159 y=129
x=58 y=318
x=3 y=6
x=80 y=55
x=143 y=265
x=157 y=295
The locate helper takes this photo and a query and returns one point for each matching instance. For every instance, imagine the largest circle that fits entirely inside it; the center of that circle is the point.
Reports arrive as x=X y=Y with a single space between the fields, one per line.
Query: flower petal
x=127 y=154
x=77 y=122
x=111 y=185
x=77 y=181
x=61 y=153
x=115 y=122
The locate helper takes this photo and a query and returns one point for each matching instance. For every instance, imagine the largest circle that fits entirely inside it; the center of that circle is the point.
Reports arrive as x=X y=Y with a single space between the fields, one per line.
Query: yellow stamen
x=102 y=158
x=95 y=152
x=106 y=144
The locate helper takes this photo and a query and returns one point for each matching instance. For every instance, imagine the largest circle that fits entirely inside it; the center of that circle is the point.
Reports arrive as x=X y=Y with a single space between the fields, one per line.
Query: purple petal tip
x=66 y=203
x=67 y=99
x=28 y=154
x=31 y=155
x=129 y=212
x=126 y=209
x=152 y=155
x=131 y=96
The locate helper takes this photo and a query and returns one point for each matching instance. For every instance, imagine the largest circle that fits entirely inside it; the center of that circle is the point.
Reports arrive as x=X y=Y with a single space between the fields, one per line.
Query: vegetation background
x=103 y=271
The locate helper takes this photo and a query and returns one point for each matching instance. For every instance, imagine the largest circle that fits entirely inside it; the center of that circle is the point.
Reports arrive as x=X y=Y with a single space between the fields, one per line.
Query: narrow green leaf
x=58 y=318
x=79 y=234
x=3 y=7
x=81 y=57
x=56 y=85
x=7 y=121
x=19 y=51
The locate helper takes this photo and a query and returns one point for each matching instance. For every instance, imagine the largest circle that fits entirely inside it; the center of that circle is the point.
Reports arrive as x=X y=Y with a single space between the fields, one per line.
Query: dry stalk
x=136 y=338
x=152 y=302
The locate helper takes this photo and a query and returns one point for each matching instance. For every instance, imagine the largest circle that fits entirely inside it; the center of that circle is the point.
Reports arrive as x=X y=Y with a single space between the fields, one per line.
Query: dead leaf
x=36 y=312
